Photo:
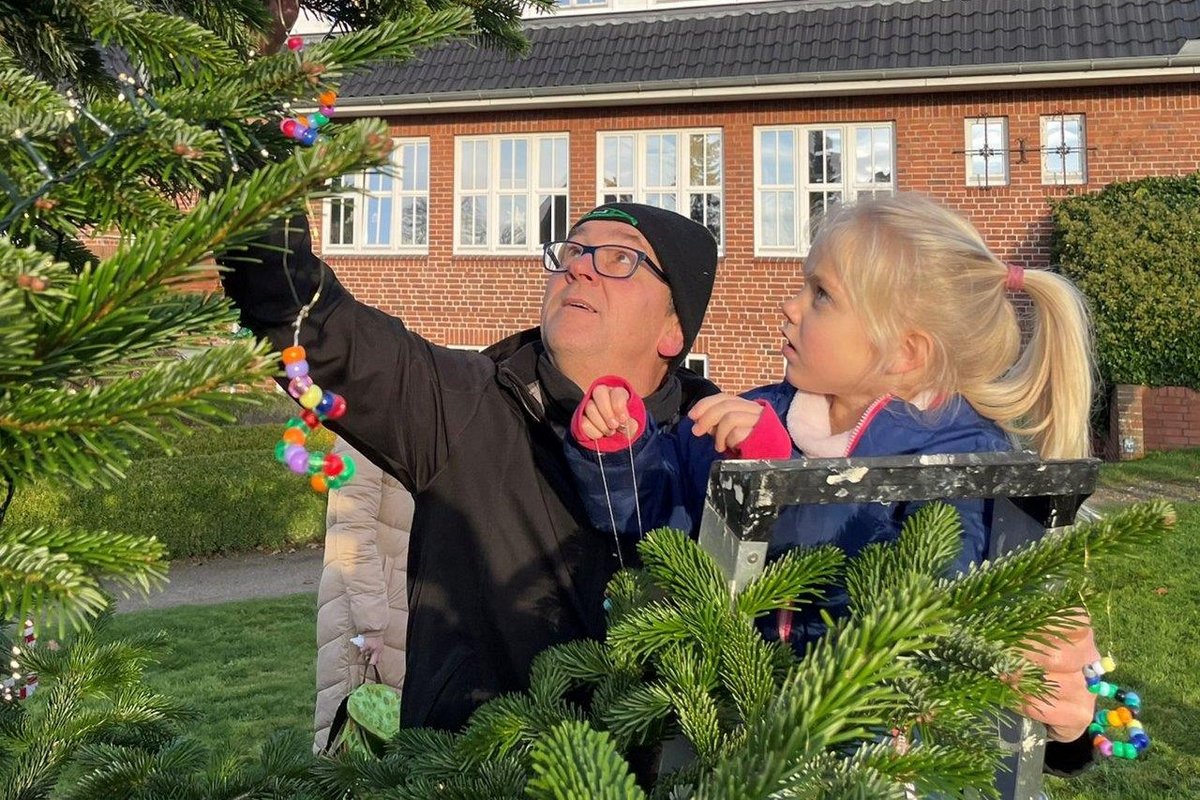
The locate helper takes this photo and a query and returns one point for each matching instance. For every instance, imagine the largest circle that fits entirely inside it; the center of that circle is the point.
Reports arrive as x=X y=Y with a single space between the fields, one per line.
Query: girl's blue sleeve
x=669 y=469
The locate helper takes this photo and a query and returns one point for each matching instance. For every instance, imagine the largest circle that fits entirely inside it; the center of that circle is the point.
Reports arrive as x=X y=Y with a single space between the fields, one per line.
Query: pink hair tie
x=1015 y=282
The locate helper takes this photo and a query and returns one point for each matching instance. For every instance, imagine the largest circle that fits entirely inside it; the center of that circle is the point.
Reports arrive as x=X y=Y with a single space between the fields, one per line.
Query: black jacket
x=502 y=561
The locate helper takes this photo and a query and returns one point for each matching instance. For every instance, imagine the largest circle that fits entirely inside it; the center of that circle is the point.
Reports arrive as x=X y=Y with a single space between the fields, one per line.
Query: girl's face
x=825 y=342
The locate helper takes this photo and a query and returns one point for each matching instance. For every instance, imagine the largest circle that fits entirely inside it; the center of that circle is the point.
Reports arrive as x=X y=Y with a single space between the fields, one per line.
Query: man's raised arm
x=391 y=380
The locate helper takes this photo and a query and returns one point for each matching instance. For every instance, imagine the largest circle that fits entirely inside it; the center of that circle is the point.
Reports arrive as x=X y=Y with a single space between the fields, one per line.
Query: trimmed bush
x=222 y=491
x=1134 y=250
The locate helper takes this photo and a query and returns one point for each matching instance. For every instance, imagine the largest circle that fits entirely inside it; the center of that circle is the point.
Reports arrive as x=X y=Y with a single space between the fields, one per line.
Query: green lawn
x=1147 y=615
x=249 y=666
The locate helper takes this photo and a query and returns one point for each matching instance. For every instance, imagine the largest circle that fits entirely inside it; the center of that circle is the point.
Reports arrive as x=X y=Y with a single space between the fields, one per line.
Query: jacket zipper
x=864 y=421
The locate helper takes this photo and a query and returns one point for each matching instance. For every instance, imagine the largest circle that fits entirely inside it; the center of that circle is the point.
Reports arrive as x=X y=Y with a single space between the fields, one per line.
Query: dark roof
x=797 y=40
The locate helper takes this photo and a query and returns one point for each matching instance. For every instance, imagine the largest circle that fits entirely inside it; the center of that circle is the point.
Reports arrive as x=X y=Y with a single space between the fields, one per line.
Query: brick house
x=751 y=117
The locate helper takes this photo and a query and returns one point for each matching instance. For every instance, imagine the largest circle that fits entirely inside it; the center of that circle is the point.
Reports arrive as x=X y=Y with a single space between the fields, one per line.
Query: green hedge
x=223 y=491
x=1134 y=250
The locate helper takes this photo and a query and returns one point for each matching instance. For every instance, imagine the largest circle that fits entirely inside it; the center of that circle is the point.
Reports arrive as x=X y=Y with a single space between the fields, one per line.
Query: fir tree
x=156 y=124
x=132 y=118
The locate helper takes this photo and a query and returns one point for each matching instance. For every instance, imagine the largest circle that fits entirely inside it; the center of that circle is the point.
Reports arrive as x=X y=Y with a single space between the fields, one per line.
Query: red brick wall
x=1145 y=419
x=1135 y=131
x=1171 y=418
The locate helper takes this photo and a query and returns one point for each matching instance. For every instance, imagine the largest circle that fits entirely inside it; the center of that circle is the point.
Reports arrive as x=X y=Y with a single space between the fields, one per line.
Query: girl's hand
x=728 y=418
x=607 y=413
x=372 y=649
x=1069 y=707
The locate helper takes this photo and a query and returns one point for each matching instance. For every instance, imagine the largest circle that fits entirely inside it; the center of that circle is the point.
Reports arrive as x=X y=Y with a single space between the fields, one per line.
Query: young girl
x=904 y=340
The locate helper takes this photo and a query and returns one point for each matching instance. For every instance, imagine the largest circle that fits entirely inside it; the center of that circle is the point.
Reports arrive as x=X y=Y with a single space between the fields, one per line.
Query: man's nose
x=582 y=267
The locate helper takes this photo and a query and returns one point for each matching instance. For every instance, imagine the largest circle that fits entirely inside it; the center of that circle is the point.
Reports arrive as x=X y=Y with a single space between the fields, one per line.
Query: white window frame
x=358 y=195
x=646 y=182
x=798 y=187
x=997 y=149
x=1054 y=123
x=514 y=190
x=700 y=359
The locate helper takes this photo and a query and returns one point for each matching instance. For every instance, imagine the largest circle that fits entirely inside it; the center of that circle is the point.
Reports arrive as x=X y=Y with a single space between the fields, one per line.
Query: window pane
x=816 y=157
x=713 y=162
x=787 y=218
x=820 y=204
x=421 y=221
x=408 y=167
x=618 y=161
x=473 y=225
x=697 y=163
x=414 y=221
x=662 y=159
x=552 y=217
x=379 y=220
x=514 y=163
x=872 y=156
x=378 y=181
x=662 y=200
x=768 y=155
x=512 y=220
x=712 y=211
x=422 y=177
x=988 y=160
x=341 y=220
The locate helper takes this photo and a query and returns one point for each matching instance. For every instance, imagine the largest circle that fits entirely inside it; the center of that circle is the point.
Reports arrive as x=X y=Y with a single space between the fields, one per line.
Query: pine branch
x=1061 y=556
x=164 y=44
x=833 y=695
x=746 y=672
x=797 y=577
x=57 y=572
x=394 y=39
x=115 y=771
x=683 y=570
x=573 y=761
x=929 y=542
x=87 y=436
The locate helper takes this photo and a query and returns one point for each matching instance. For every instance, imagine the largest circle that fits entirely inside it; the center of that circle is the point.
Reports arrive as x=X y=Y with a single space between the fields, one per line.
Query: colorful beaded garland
x=325 y=470
x=304 y=128
x=1123 y=719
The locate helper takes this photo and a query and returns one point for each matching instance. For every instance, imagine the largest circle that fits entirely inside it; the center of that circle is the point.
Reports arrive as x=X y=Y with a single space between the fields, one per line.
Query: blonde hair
x=910 y=265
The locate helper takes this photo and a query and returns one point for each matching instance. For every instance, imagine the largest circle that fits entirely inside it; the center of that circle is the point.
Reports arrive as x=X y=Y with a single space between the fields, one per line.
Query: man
x=502 y=561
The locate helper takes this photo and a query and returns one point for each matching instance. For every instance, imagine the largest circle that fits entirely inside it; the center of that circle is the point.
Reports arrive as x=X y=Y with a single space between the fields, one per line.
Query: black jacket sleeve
x=404 y=396
x=1068 y=759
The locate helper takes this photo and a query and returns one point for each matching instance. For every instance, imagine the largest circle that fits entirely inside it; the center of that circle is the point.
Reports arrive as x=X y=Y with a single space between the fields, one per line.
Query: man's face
x=601 y=325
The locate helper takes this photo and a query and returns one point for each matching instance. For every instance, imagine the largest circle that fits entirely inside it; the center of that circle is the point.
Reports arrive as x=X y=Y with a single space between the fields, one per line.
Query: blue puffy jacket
x=671 y=471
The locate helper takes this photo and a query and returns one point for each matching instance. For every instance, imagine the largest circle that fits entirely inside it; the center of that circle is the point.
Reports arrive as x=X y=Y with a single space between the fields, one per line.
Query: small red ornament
x=338 y=408
x=333 y=465
x=295 y=43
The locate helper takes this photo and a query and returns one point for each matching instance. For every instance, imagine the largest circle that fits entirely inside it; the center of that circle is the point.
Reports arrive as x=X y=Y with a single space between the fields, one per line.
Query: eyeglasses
x=609 y=260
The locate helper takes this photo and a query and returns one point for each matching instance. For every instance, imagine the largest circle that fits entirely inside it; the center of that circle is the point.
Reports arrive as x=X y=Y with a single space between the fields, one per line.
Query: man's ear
x=913 y=355
x=670 y=342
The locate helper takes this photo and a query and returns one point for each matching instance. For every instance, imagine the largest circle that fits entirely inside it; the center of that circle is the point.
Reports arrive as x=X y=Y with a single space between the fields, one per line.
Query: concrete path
x=221 y=579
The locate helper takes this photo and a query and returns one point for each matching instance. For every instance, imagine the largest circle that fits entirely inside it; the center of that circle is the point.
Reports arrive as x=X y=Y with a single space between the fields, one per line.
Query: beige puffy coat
x=363 y=584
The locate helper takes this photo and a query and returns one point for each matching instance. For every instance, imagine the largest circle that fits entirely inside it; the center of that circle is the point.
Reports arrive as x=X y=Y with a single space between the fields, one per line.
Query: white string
x=608 y=501
x=637 y=503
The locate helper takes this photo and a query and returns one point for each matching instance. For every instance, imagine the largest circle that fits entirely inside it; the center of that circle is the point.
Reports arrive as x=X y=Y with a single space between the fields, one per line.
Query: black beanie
x=686 y=251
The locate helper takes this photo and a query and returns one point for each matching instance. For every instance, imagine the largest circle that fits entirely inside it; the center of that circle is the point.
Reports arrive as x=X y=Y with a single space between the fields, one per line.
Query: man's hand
x=729 y=419
x=372 y=649
x=1069 y=708
x=607 y=413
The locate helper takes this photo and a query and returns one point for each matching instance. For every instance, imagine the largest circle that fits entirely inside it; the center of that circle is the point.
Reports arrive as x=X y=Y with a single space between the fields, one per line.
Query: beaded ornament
x=1123 y=719
x=325 y=470
x=305 y=127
